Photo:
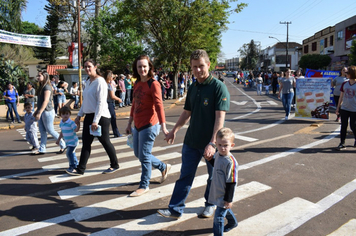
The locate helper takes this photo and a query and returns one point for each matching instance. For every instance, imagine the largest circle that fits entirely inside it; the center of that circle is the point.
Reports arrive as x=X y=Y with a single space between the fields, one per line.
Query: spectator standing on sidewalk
x=96 y=112
x=337 y=82
x=205 y=107
x=347 y=106
x=147 y=113
x=74 y=92
x=286 y=88
x=122 y=89
x=12 y=101
x=128 y=87
x=29 y=95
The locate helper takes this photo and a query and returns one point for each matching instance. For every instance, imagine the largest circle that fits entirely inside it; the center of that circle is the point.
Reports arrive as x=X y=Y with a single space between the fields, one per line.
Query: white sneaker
x=286 y=118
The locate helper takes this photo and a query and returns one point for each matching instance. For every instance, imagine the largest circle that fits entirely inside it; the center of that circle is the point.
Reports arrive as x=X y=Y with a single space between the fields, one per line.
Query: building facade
x=233 y=64
x=274 y=58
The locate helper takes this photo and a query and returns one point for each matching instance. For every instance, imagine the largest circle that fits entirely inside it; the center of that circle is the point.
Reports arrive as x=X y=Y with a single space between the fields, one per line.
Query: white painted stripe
x=253 y=100
x=273 y=219
x=111 y=183
x=321 y=206
x=347 y=229
x=36 y=226
x=239 y=103
x=99 y=170
x=155 y=222
x=244 y=138
x=289 y=152
x=96 y=143
x=272 y=103
x=173 y=124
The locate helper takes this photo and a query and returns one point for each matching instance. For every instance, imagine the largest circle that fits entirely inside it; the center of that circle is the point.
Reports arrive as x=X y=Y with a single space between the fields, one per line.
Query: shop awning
x=51 y=69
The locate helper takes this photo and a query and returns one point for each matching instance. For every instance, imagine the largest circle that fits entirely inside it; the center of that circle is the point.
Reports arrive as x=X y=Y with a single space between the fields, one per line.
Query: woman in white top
x=75 y=94
x=96 y=112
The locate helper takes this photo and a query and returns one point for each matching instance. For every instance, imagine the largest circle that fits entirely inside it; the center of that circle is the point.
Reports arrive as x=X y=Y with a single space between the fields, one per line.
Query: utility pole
x=286 y=23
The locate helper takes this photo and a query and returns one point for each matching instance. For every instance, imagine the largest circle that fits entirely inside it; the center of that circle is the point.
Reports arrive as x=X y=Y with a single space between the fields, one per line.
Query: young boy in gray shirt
x=224 y=182
x=31 y=127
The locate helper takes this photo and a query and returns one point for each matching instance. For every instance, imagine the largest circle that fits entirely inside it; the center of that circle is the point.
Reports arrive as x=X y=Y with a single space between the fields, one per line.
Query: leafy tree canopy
x=249 y=53
x=352 y=55
x=314 y=61
x=10 y=14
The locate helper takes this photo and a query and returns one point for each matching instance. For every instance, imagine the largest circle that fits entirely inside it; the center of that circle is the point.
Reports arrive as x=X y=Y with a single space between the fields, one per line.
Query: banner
x=321 y=73
x=25 y=39
x=312 y=98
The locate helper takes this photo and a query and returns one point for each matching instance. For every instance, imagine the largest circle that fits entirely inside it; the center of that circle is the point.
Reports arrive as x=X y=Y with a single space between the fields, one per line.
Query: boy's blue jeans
x=219 y=220
x=72 y=158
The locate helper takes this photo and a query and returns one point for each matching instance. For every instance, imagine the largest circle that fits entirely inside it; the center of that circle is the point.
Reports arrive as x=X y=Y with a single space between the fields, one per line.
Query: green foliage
x=175 y=28
x=314 y=61
x=30 y=28
x=352 y=55
x=119 y=43
x=17 y=53
x=249 y=53
x=10 y=14
x=10 y=72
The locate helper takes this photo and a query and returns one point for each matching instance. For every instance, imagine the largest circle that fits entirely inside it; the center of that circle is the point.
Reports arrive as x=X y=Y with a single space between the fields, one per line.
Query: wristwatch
x=212 y=144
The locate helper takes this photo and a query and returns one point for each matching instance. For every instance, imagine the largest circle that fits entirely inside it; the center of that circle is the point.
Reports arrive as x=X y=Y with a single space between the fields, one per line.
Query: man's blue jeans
x=45 y=124
x=219 y=220
x=142 y=145
x=287 y=102
x=190 y=161
x=72 y=158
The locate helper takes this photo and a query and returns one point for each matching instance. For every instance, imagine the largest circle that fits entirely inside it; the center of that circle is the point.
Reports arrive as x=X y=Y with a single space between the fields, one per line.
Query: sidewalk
x=120 y=112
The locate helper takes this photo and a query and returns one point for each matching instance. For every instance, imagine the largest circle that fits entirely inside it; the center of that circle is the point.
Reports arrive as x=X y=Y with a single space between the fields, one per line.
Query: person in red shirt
x=148 y=116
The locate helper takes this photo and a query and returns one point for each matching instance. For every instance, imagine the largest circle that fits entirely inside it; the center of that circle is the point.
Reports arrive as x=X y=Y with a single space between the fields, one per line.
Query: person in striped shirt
x=68 y=133
x=223 y=182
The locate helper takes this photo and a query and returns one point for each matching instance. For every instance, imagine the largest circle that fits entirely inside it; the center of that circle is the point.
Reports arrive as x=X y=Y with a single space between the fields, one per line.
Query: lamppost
x=79 y=58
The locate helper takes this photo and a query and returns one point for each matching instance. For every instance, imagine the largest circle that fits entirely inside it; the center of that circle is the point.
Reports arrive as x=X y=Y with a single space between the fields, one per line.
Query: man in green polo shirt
x=206 y=104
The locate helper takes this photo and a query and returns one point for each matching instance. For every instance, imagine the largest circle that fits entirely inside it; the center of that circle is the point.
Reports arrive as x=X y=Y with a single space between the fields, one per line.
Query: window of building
x=325 y=42
x=314 y=46
x=331 y=40
x=306 y=48
x=340 y=35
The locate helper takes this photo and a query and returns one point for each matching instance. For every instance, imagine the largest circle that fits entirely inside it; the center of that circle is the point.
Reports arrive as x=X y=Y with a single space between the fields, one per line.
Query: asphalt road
x=291 y=181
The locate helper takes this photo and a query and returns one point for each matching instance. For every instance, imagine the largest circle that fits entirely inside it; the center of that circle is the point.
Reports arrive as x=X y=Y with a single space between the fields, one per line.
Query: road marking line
x=320 y=207
x=274 y=218
x=289 y=152
x=345 y=229
x=244 y=138
x=173 y=124
x=239 y=103
x=239 y=147
x=155 y=222
x=111 y=183
x=273 y=103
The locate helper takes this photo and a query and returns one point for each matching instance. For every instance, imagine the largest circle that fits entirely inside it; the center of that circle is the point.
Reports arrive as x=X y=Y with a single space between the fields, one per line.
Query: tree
x=249 y=53
x=352 y=55
x=10 y=72
x=119 y=43
x=10 y=14
x=314 y=61
x=175 y=28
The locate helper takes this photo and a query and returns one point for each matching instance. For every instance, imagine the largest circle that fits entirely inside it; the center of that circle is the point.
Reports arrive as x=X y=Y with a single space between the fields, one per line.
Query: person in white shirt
x=96 y=112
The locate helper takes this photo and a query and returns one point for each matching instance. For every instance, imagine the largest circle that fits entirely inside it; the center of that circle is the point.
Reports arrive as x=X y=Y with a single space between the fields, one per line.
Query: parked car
x=230 y=73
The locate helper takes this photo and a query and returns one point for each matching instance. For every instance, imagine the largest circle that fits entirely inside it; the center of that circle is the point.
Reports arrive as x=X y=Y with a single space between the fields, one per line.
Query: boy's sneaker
x=70 y=169
x=110 y=170
x=340 y=147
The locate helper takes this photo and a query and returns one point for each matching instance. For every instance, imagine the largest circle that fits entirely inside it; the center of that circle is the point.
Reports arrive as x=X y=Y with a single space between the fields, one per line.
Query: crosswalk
x=280 y=219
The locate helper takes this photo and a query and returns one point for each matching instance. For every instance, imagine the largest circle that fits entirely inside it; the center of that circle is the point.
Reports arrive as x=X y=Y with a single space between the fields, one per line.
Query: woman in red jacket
x=148 y=115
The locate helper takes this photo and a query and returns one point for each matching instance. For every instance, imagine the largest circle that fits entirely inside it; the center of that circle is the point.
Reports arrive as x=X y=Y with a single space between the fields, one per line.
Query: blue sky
x=259 y=20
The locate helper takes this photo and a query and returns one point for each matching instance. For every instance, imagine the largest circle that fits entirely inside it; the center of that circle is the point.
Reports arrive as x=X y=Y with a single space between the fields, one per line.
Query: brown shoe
x=165 y=172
